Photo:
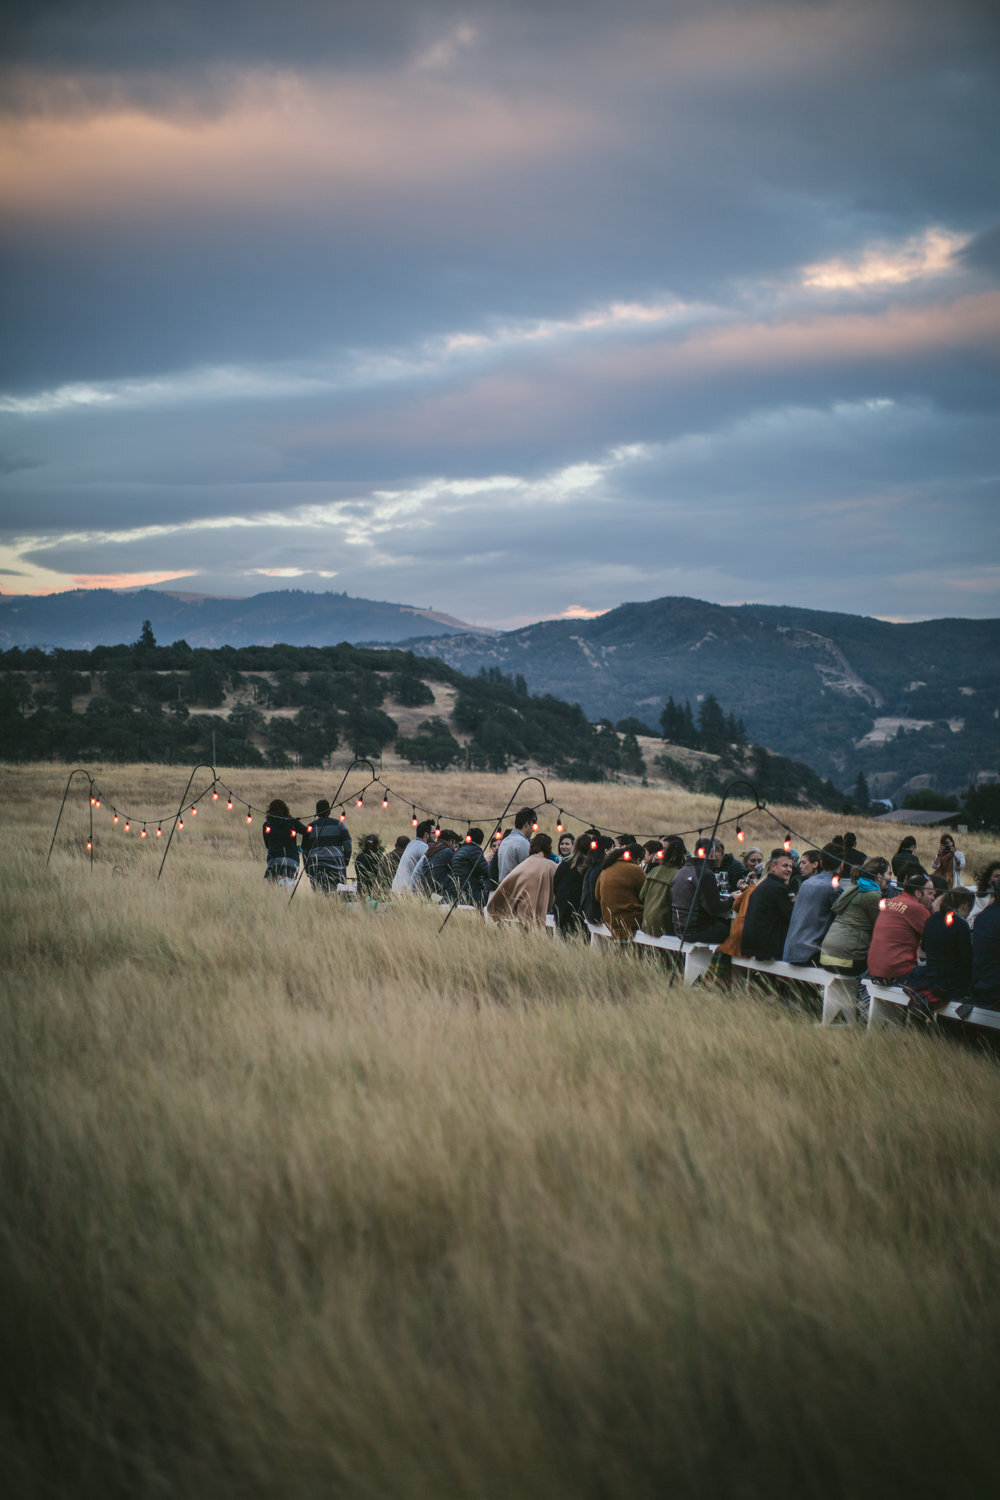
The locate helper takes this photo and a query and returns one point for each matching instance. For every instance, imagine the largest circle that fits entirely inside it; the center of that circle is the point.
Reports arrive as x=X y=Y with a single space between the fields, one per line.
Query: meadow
x=311 y=1200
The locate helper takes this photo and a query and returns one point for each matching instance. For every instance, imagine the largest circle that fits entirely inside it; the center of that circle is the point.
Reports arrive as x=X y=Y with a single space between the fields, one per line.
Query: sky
x=516 y=310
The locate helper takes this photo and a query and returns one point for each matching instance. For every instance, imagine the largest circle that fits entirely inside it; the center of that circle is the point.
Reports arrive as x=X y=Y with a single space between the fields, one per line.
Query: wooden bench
x=888 y=1003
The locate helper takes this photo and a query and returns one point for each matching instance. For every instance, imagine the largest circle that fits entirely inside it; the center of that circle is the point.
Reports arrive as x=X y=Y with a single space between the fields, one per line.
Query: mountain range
x=844 y=693
x=81 y=619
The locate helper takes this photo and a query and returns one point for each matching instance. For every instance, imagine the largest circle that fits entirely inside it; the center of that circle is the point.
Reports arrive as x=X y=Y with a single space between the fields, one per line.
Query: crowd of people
x=888 y=920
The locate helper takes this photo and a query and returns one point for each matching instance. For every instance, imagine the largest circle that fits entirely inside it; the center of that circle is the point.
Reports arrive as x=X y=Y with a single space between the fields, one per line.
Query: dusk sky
x=517 y=310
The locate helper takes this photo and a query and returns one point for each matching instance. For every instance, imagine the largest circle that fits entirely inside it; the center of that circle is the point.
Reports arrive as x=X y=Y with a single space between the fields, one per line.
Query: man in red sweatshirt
x=899 y=926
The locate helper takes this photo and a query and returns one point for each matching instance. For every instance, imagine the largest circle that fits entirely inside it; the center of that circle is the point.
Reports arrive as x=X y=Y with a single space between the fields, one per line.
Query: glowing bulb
x=534 y=827
x=159 y=833
x=835 y=882
x=437 y=833
x=468 y=838
x=343 y=815
x=249 y=816
x=627 y=854
x=413 y=821
x=949 y=919
x=229 y=805
x=115 y=818
x=593 y=843
x=215 y=796
x=142 y=835
x=128 y=825
x=180 y=824
x=194 y=812
x=309 y=828
x=385 y=802
x=360 y=802
x=740 y=835
x=267 y=828
x=89 y=844
x=787 y=845
x=882 y=904
x=659 y=853
x=559 y=824
x=93 y=801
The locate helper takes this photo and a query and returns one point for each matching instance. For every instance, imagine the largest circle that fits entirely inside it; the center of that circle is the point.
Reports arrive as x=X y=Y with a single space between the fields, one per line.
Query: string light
x=267 y=828
x=180 y=824
x=89 y=844
x=142 y=835
x=534 y=827
x=249 y=817
x=115 y=818
x=194 y=811
x=787 y=843
x=360 y=802
x=740 y=835
x=949 y=919
x=229 y=805
x=413 y=820
x=215 y=796
x=559 y=822
x=835 y=882
x=343 y=815
x=128 y=825
x=159 y=831
x=385 y=802
x=627 y=854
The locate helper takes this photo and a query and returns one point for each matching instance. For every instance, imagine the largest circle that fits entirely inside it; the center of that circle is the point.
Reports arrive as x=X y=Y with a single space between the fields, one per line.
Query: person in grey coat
x=812 y=913
x=515 y=846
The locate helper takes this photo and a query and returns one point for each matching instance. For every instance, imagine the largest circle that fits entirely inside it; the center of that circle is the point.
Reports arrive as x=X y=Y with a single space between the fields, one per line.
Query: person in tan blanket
x=525 y=895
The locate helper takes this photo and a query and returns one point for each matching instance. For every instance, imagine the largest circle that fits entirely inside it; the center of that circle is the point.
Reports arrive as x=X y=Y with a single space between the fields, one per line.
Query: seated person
x=845 y=945
x=948 y=947
x=655 y=895
x=700 y=913
x=769 y=910
x=899 y=927
x=470 y=874
x=985 y=987
x=434 y=872
x=618 y=886
x=726 y=865
x=525 y=892
x=812 y=914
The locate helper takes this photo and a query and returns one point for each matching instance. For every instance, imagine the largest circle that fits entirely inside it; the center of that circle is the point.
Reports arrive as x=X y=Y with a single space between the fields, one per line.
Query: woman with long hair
x=281 y=832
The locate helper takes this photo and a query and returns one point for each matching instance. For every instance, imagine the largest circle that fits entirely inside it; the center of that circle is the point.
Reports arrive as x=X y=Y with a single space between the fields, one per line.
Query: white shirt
x=406 y=871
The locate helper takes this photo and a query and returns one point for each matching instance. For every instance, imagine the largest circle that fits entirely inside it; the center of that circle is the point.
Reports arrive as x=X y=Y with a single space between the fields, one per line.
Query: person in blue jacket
x=326 y=848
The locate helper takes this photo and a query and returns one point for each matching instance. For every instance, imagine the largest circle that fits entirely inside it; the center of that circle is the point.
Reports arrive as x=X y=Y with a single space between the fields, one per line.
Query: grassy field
x=307 y=1200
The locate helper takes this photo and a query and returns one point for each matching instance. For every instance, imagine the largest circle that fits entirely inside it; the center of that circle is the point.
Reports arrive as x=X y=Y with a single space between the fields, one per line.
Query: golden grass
x=309 y=1200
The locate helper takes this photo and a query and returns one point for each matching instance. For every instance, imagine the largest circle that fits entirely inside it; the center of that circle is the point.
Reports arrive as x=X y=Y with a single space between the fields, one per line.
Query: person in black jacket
x=434 y=871
x=280 y=833
x=947 y=945
x=327 y=848
x=470 y=874
x=589 y=904
x=769 y=911
x=567 y=888
x=700 y=914
x=367 y=867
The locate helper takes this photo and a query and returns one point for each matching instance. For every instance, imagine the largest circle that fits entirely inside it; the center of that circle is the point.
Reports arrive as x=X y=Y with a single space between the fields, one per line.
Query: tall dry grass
x=309 y=1200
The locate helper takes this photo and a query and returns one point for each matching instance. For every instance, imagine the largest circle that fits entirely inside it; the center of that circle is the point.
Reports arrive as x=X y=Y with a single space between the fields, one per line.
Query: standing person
x=618 y=887
x=515 y=846
x=567 y=888
x=906 y=861
x=589 y=904
x=948 y=862
x=280 y=832
x=470 y=874
x=812 y=913
x=327 y=849
x=899 y=927
x=526 y=892
x=406 y=871
x=769 y=910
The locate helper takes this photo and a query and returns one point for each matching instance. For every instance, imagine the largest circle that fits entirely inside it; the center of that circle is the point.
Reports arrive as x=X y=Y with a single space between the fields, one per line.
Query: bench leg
x=881 y=1013
x=696 y=964
x=840 y=998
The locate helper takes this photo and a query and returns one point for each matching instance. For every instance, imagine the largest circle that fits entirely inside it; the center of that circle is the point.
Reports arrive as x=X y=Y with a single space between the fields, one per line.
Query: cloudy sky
x=516 y=308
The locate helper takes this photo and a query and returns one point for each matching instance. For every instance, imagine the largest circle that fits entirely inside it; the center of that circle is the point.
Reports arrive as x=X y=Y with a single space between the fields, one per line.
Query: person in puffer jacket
x=470 y=874
x=280 y=833
x=326 y=849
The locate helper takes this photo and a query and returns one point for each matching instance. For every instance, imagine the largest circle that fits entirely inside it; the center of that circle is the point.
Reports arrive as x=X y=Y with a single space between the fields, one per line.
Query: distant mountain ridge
x=81 y=619
x=830 y=689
